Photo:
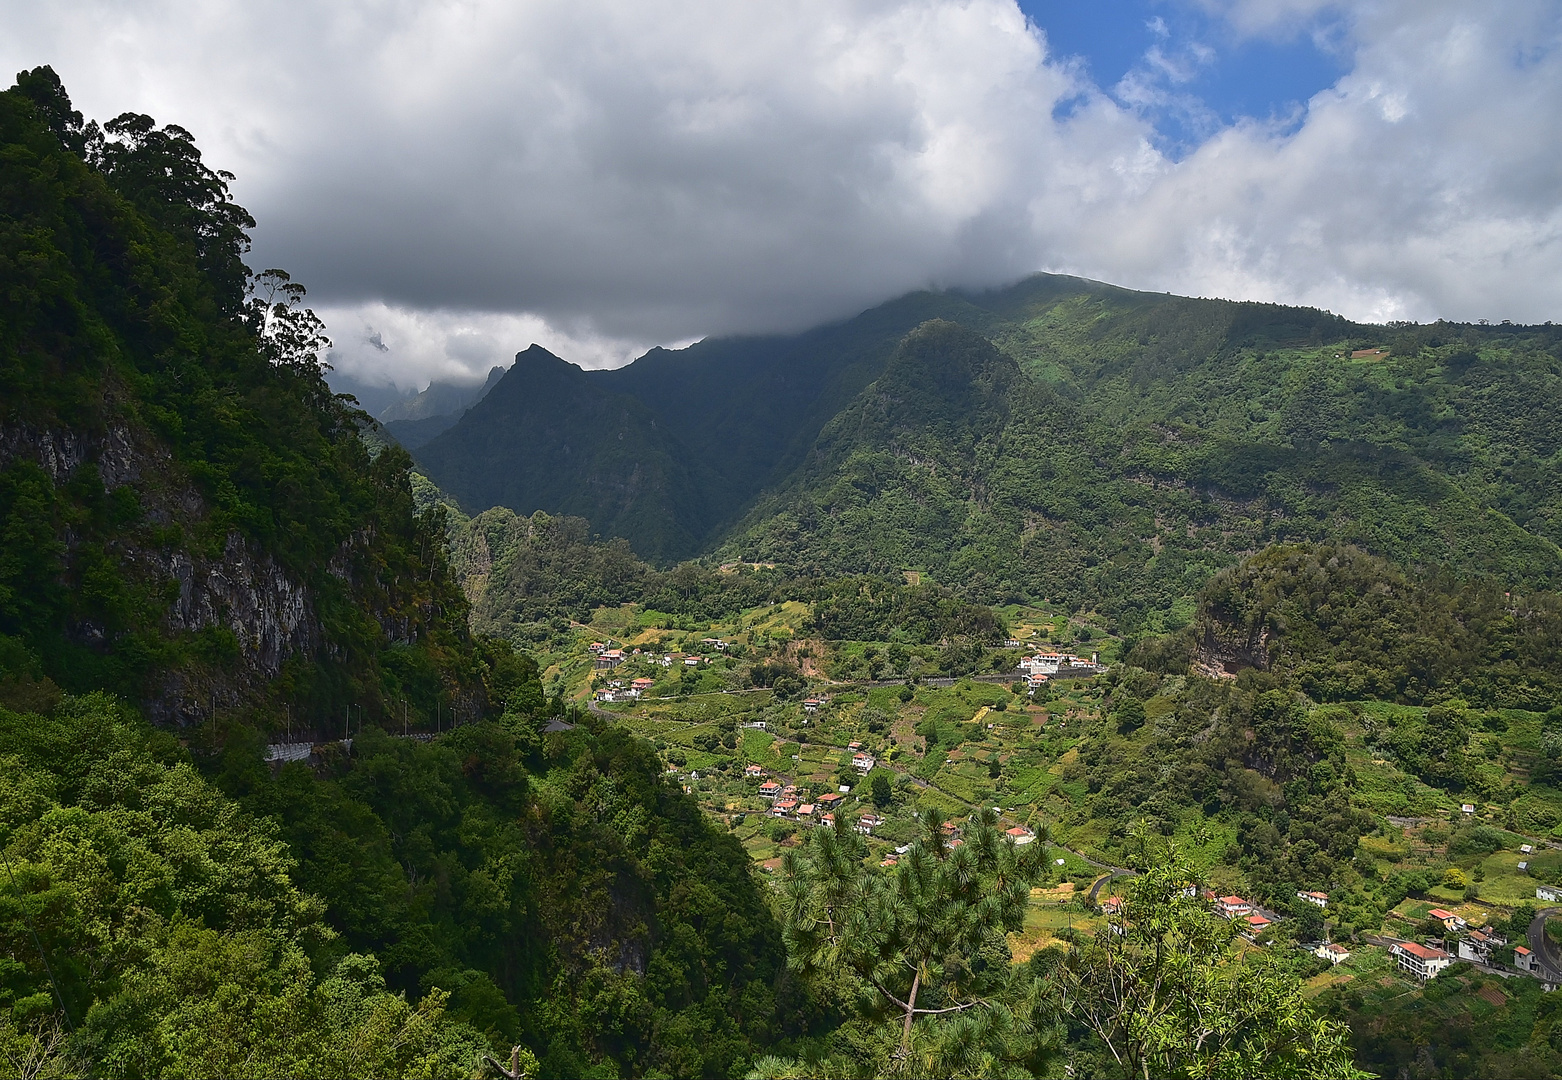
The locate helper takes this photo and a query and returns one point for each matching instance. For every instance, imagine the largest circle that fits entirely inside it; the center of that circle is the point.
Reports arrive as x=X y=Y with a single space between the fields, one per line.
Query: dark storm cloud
x=456 y=180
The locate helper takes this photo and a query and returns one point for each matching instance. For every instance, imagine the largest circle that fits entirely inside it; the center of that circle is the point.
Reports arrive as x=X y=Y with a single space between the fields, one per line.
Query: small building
x=1526 y=849
x=1317 y=899
x=769 y=790
x=1020 y=834
x=889 y=860
x=691 y=661
x=608 y=659
x=596 y=646
x=863 y=763
x=867 y=823
x=827 y=820
x=1450 y=921
x=1253 y=925
x=1112 y=905
x=1229 y=907
x=806 y=810
x=1333 y=953
x=829 y=801
x=854 y=745
x=1467 y=808
x=1549 y=893
x=811 y=705
x=1476 y=946
x=1524 y=960
x=1422 y=961
x=783 y=808
x=753 y=772
x=643 y=684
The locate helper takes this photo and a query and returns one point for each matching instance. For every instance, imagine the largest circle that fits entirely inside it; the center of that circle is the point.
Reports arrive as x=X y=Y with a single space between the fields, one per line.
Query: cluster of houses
x=1424 y=961
x=606 y=658
x=616 y=690
x=785 y=802
x=1251 y=919
x=1044 y=665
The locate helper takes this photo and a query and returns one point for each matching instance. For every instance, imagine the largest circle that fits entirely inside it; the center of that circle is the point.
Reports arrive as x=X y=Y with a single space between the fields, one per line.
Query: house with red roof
x=1422 y=961
x=1449 y=920
x=1229 y=907
x=769 y=790
x=1334 y=953
x=1254 y=925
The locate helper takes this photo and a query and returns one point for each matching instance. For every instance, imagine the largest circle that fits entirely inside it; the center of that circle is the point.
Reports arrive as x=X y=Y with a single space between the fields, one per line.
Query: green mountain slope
x=549 y=437
x=1125 y=469
x=189 y=516
x=1141 y=443
x=194 y=531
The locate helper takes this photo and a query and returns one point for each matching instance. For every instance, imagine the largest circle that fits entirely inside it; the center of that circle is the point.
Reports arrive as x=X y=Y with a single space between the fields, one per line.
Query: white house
x=863 y=763
x=1229 y=907
x=1317 y=899
x=1422 y=961
x=1549 y=893
x=1333 y=953
x=1524 y=960
x=1476 y=946
x=1449 y=920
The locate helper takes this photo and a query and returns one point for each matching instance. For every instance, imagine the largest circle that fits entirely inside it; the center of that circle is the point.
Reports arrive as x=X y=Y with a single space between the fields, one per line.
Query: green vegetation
x=187 y=514
x=1324 y=585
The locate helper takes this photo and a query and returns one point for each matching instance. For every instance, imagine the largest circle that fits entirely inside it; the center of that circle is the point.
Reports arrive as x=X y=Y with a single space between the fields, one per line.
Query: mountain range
x=1058 y=438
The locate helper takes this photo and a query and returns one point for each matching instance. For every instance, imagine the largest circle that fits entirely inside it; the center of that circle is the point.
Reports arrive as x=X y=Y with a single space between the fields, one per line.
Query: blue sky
x=1209 y=75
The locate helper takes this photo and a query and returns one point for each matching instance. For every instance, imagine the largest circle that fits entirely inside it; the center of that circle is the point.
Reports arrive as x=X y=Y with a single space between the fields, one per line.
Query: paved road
x=1114 y=875
x=1544 y=950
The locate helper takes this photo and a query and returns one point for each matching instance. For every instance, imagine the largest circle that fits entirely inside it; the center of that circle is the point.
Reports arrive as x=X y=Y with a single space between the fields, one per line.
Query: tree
x=927 y=939
x=1163 y=989
x=1129 y=715
x=880 y=789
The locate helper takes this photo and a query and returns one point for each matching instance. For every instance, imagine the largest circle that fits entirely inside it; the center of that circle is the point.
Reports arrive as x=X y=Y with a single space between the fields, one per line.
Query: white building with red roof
x=1422 y=961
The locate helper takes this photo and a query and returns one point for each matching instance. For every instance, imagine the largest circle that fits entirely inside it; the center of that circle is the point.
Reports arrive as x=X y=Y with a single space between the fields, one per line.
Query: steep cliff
x=188 y=515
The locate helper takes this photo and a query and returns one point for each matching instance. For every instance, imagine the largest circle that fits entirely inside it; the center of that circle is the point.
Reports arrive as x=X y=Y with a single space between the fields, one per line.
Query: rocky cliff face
x=240 y=591
x=1225 y=648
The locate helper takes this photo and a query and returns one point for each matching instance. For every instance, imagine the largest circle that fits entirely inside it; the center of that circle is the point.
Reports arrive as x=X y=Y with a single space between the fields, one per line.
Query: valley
x=1026 y=682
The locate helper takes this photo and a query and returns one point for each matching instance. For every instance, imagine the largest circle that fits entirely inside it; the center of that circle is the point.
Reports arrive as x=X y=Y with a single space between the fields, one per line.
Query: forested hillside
x=203 y=552
x=187 y=514
x=1133 y=445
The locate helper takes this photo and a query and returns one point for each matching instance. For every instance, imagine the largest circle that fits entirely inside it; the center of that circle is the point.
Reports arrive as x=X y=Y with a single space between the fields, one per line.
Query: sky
x=454 y=181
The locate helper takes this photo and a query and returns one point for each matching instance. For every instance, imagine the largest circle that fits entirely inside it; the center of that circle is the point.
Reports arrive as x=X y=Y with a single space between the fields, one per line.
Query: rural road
x=1545 y=952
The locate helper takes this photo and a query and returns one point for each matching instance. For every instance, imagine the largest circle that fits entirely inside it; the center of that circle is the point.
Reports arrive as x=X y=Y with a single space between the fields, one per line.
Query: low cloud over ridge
x=601 y=176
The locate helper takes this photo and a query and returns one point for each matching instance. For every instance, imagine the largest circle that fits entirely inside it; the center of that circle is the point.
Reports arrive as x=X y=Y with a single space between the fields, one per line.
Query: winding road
x=1545 y=952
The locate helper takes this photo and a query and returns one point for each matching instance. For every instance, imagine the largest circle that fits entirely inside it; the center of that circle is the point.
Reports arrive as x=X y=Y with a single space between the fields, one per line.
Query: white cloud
x=466 y=178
